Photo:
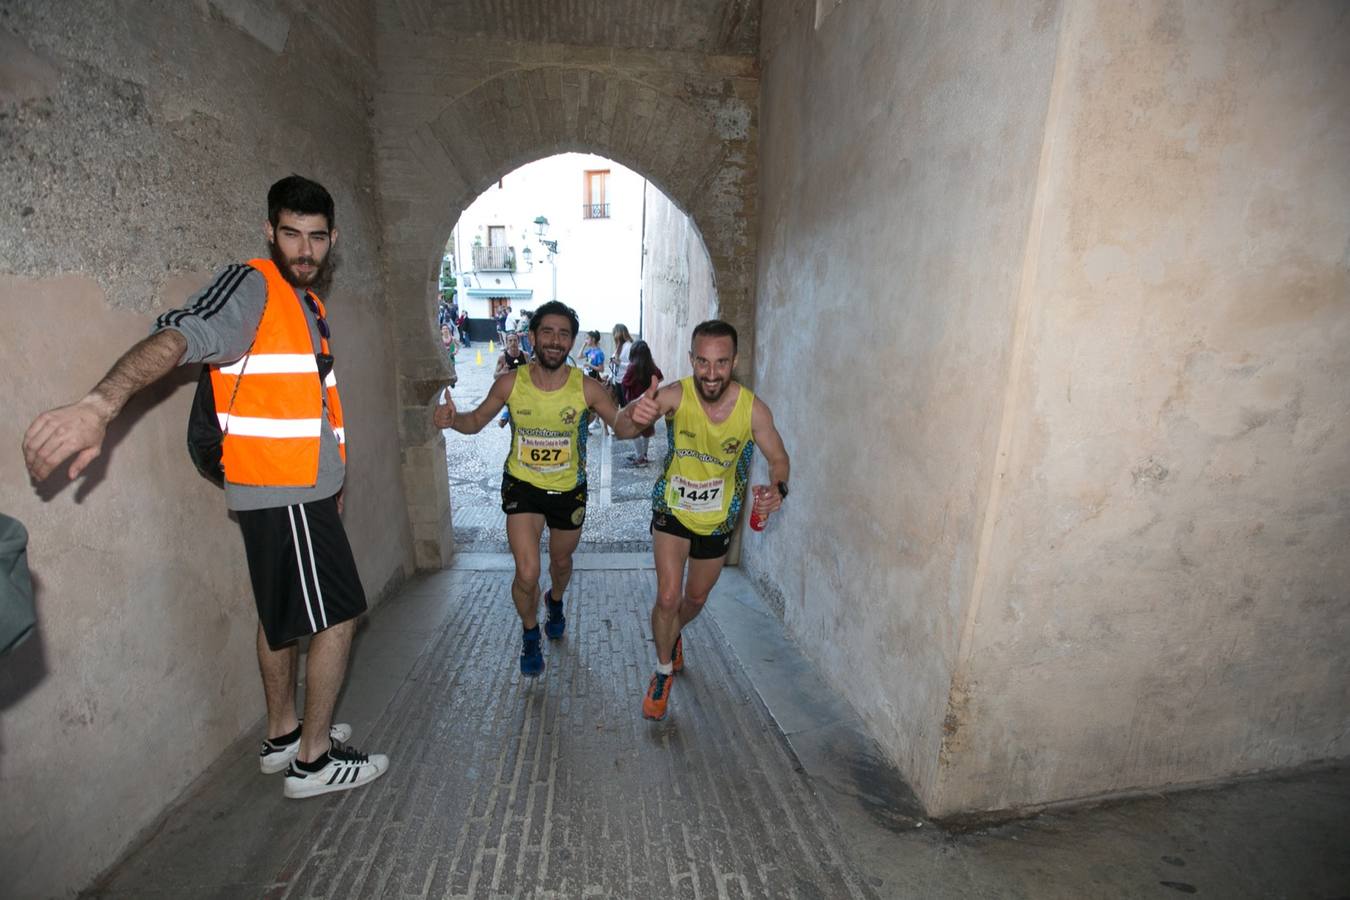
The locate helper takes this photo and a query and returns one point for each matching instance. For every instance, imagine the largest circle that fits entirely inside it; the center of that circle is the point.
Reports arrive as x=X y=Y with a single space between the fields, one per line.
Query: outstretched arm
x=79 y=428
x=651 y=405
x=446 y=416
x=601 y=400
x=770 y=443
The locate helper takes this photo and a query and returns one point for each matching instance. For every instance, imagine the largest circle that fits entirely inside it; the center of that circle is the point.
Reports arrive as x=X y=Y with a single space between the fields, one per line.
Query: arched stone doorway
x=442 y=138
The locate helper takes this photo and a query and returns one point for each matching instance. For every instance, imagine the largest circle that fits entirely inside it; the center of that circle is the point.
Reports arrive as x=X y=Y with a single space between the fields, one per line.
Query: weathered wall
x=899 y=157
x=455 y=110
x=1165 y=599
x=1091 y=535
x=677 y=284
x=137 y=143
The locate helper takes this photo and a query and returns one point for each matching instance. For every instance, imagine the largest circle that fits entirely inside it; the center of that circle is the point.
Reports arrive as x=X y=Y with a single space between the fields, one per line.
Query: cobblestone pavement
x=618 y=510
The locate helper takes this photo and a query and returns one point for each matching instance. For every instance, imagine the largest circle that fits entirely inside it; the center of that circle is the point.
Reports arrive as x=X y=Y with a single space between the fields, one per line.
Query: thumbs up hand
x=646 y=409
x=444 y=414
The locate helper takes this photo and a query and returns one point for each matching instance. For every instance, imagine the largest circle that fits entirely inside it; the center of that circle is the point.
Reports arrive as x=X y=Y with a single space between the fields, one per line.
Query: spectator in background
x=592 y=357
x=451 y=348
x=501 y=316
x=618 y=363
x=511 y=358
x=641 y=370
x=524 y=331
x=593 y=364
x=463 y=324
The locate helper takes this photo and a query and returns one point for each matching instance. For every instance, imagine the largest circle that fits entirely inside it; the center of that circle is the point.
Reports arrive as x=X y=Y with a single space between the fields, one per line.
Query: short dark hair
x=555 y=308
x=714 y=328
x=302 y=196
x=593 y=335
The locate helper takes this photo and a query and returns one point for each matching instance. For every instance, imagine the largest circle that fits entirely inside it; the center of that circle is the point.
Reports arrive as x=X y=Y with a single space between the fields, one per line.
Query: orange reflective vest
x=269 y=402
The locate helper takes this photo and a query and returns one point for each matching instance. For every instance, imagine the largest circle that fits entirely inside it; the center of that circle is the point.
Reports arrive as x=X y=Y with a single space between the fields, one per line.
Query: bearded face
x=712 y=359
x=301 y=246
x=552 y=340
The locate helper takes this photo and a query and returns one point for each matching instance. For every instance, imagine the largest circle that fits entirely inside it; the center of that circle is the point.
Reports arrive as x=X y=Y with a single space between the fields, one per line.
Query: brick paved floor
x=502 y=786
x=505 y=786
x=761 y=783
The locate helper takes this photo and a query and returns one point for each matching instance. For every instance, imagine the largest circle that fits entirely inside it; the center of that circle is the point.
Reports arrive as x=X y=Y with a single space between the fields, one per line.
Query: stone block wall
x=456 y=110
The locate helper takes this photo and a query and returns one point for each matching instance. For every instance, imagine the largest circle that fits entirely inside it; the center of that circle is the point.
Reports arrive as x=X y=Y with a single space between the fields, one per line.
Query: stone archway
x=446 y=128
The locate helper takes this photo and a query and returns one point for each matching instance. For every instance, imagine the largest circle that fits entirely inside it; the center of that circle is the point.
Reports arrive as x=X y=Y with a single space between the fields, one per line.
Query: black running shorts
x=701 y=546
x=562 y=510
x=304 y=576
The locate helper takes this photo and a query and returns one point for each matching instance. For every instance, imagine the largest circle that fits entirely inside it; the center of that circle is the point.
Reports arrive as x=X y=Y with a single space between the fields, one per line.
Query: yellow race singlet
x=548 y=432
x=707 y=464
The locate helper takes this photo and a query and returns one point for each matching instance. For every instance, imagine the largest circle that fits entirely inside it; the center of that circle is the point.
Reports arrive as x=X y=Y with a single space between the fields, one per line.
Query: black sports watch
x=782 y=489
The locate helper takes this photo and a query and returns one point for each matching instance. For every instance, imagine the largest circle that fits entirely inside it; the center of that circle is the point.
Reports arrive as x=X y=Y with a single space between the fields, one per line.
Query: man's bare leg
x=561 y=546
x=277 y=668
x=698 y=584
x=325 y=668
x=523 y=531
x=670 y=553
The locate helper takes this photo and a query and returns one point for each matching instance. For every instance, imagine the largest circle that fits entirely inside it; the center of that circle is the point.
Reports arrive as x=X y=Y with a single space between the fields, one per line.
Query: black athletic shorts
x=562 y=510
x=304 y=576
x=701 y=546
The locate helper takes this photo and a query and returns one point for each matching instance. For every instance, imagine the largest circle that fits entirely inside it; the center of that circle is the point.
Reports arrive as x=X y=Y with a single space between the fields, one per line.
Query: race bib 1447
x=696 y=496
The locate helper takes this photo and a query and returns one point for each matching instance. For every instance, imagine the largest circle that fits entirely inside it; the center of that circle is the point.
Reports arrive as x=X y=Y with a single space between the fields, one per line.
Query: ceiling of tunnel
x=701 y=26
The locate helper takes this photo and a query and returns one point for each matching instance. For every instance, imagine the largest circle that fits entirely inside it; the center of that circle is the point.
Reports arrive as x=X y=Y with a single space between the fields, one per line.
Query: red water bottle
x=757 y=517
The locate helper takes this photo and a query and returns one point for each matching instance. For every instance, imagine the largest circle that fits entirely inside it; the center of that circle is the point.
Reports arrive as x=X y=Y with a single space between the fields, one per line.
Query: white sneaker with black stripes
x=275 y=757
x=345 y=769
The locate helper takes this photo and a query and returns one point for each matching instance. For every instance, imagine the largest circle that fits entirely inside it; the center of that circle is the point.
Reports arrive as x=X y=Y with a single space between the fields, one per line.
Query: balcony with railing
x=494 y=259
x=595 y=210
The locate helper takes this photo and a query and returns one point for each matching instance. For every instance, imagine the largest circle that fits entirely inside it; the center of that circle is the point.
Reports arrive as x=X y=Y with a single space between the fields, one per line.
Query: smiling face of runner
x=713 y=358
x=553 y=338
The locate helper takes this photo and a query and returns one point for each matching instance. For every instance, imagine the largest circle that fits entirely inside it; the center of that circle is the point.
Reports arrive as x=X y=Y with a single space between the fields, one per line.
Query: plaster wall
x=677 y=284
x=1165 y=599
x=136 y=147
x=899 y=158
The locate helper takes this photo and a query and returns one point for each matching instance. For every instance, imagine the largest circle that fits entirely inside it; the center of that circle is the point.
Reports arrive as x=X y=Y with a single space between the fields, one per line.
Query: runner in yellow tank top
x=544 y=478
x=707 y=464
x=548 y=435
x=713 y=426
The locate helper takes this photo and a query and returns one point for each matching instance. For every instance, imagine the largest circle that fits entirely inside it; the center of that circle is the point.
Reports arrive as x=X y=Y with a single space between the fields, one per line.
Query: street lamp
x=541 y=226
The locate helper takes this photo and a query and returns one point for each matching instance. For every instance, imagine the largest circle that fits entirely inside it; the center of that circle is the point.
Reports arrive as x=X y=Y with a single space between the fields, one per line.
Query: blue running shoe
x=556 y=623
x=531 y=654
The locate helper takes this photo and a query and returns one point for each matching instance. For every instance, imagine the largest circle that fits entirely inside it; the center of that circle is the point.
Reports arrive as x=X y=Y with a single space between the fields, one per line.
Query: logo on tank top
x=568 y=415
x=730 y=446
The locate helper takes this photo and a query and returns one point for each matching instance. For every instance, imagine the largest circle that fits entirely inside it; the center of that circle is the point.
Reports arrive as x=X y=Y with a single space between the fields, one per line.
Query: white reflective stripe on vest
x=331 y=380
x=341 y=435
x=250 y=426
x=272 y=364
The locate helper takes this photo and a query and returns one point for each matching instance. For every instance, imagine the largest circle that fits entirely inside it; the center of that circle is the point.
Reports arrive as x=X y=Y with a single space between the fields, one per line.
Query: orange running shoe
x=658 y=693
x=677 y=655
